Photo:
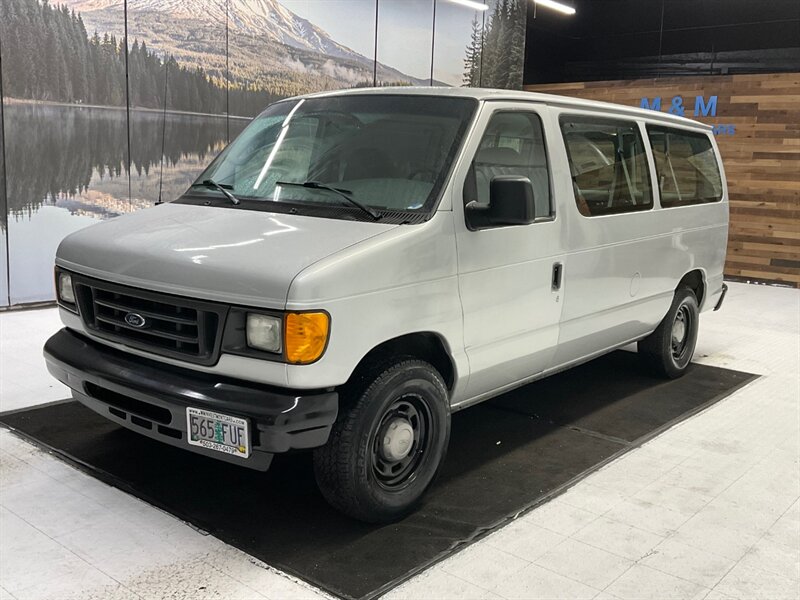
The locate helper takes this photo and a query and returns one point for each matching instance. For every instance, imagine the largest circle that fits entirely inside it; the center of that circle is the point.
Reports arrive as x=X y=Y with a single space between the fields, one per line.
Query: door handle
x=558 y=270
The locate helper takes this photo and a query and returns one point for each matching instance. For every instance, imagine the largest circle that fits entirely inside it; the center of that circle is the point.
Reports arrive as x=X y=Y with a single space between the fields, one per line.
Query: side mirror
x=510 y=203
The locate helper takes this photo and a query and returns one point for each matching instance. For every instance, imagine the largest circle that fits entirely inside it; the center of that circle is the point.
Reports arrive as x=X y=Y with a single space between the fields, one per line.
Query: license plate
x=219 y=432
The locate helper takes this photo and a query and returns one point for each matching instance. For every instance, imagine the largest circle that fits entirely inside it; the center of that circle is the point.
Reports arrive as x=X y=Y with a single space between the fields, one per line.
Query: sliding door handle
x=558 y=270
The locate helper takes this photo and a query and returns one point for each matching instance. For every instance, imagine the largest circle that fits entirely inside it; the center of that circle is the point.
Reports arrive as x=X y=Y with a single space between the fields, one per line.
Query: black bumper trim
x=135 y=392
x=722 y=297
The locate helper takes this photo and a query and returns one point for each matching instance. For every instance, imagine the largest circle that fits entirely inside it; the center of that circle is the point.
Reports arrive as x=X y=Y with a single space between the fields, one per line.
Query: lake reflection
x=67 y=168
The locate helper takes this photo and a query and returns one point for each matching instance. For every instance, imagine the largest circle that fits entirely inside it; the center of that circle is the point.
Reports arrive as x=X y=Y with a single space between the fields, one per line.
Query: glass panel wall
x=3 y=208
x=65 y=130
x=457 y=44
x=503 y=53
x=405 y=42
x=197 y=72
x=178 y=95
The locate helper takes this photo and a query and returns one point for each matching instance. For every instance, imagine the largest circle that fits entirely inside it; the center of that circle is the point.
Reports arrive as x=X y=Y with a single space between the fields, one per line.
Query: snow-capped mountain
x=259 y=16
x=256 y=17
x=266 y=39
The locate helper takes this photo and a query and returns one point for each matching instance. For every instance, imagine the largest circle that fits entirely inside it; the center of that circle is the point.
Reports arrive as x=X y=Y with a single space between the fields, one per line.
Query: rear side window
x=608 y=165
x=512 y=145
x=686 y=165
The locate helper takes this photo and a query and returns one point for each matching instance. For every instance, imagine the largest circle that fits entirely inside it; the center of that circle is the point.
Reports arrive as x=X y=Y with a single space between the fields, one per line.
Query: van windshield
x=390 y=154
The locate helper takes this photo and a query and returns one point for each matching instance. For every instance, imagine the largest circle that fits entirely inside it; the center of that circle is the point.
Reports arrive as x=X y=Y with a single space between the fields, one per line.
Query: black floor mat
x=505 y=456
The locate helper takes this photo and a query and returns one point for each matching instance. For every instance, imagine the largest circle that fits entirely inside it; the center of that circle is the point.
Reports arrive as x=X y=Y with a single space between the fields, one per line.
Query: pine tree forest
x=74 y=67
x=494 y=56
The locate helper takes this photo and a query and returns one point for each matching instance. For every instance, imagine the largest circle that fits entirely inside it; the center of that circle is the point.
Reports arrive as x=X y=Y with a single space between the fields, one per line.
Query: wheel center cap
x=397 y=440
x=678 y=331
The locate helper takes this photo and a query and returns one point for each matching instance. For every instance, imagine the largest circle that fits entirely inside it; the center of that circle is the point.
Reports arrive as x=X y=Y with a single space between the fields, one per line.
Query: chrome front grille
x=164 y=324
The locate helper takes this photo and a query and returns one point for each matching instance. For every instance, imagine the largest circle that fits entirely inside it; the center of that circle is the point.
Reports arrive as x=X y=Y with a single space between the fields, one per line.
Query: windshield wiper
x=346 y=194
x=210 y=183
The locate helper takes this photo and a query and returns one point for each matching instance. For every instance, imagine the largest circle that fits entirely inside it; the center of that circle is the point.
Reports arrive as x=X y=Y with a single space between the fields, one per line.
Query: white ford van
x=358 y=265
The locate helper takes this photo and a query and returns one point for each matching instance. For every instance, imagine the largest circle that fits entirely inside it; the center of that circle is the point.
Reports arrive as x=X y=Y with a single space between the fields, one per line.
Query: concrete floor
x=709 y=509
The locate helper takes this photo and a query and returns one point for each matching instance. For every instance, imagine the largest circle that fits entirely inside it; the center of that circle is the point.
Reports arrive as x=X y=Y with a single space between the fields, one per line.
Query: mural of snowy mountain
x=254 y=17
x=268 y=42
x=91 y=132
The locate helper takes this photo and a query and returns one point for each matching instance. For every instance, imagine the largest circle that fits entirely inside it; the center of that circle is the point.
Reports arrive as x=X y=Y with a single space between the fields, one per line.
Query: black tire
x=666 y=354
x=355 y=470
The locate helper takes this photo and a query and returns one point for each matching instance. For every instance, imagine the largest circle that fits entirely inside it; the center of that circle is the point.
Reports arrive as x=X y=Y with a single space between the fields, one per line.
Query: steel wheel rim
x=681 y=333
x=412 y=410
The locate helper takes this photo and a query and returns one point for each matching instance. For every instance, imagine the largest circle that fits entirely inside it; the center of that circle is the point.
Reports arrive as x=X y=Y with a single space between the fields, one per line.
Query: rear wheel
x=387 y=444
x=669 y=349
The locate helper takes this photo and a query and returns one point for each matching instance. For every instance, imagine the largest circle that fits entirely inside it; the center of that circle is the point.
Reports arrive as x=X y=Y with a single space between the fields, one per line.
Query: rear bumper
x=150 y=398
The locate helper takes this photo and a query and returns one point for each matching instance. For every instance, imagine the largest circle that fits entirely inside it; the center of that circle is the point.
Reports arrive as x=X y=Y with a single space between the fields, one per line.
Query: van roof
x=485 y=94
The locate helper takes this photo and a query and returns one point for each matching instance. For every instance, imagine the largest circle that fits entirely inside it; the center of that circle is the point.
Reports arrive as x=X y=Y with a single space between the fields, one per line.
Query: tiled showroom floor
x=709 y=509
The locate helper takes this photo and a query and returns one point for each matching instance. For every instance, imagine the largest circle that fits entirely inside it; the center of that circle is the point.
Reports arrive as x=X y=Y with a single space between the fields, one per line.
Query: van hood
x=225 y=254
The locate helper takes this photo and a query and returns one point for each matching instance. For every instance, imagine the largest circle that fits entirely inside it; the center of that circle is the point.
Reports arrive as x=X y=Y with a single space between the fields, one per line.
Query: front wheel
x=387 y=444
x=669 y=349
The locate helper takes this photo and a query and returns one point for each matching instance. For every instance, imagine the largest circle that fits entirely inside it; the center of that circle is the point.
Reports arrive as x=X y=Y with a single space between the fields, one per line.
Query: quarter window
x=608 y=165
x=686 y=166
x=512 y=145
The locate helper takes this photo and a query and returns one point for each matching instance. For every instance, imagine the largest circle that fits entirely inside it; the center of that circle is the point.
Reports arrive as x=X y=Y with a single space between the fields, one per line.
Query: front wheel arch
x=427 y=346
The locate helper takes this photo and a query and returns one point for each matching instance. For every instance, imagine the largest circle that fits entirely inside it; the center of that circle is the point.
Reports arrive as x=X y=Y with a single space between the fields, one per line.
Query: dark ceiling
x=619 y=39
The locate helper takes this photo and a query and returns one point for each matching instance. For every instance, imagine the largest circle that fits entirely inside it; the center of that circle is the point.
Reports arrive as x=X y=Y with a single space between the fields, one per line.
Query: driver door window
x=512 y=145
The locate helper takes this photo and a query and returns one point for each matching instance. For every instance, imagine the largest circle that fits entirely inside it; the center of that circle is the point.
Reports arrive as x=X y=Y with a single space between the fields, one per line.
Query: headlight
x=66 y=292
x=264 y=332
x=306 y=336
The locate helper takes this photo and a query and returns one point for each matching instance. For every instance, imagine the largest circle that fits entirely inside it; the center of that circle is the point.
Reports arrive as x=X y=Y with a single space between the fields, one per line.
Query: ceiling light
x=562 y=8
x=471 y=4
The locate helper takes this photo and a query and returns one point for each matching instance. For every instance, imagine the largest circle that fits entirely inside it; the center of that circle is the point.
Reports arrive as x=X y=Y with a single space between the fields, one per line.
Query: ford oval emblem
x=135 y=320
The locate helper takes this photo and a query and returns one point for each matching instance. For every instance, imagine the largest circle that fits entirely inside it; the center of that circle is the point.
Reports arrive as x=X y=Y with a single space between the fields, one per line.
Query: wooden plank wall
x=762 y=159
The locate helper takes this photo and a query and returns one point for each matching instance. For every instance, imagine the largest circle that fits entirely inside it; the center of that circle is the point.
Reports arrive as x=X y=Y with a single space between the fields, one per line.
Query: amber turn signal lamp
x=306 y=336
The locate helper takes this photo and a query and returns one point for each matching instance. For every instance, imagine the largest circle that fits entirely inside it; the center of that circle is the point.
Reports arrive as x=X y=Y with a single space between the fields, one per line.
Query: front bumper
x=151 y=397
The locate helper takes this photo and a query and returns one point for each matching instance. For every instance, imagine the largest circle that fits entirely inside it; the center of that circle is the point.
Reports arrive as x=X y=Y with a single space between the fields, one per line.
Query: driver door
x=510 y=277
